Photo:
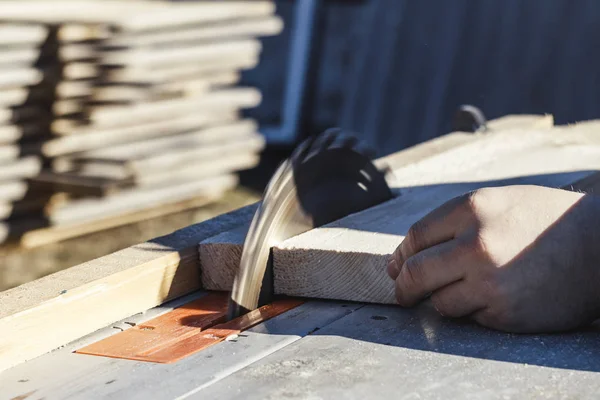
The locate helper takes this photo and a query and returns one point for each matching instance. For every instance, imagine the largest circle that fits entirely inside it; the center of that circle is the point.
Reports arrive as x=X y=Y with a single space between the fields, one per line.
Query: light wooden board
x=230 y=98
x=80 y=70
x=172 y=161
x=12 y=34
x=12 y=190
x=77 y=52
x=18 y=77
x=19 y=57
x=103 y=183
x=23 y=168
x=184 y=87
x=131 y=15
x=178 y=54
x=12 y=133
x=239 y=28
x=90 y=209
x=193 y=139
x=359 y=236
x=169 y=73
x=88 y=139
x=72 y=88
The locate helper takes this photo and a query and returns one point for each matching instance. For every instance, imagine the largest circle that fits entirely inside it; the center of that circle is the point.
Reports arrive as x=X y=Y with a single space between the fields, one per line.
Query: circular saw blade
x=327 y=177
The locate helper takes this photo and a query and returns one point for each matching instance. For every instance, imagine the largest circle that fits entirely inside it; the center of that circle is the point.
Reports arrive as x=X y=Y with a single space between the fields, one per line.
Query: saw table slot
x=184 y=331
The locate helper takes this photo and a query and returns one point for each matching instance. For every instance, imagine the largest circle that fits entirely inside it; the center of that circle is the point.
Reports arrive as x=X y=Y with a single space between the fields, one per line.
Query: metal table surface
x=325 y=349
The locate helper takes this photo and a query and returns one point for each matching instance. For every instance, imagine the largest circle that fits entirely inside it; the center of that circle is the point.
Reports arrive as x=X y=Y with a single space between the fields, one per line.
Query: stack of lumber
x=148 y=110
x=25 y=73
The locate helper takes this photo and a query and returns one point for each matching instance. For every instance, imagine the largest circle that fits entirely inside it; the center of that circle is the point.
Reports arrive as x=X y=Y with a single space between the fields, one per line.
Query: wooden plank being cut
x=356 y=243
x=240 y=28
x=353 y=252
x=134 y=279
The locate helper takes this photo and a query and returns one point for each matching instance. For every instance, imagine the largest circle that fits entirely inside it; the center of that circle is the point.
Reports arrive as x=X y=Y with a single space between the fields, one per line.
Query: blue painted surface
x=395 y=71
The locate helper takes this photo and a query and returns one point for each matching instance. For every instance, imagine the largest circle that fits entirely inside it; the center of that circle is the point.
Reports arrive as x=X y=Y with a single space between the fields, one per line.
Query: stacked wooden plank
x=148 y=109
x=25 y=74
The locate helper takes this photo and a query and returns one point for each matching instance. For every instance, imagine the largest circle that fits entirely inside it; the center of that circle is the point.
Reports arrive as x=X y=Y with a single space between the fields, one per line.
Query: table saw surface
x=324 y=349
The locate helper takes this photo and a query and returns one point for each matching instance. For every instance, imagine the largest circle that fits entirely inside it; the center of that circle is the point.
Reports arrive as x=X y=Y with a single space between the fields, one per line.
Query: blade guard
x=327 y=177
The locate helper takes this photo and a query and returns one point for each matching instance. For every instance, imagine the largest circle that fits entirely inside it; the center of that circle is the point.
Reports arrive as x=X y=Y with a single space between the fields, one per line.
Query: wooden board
x=12 y=133
x=91 y=182
x=88 y=139
x=194 y=54
x=131 y=16
x=12 y=190
x=19 y=57
x=230 y=98
x=239 y=28
x=144 y=93
x=355 y=240
x=11 y=78
x=23 y=168
x=169 y=73
x=188 y=140
x=12 y=34
x=90 y=209
x=80 y=70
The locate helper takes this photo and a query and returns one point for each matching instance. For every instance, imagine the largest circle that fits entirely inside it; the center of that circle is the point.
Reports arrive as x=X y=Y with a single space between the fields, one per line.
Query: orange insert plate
x=183 y=331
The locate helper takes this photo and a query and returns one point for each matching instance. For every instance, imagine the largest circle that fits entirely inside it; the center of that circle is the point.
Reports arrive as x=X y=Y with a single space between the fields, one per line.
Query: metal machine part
x=326 y=178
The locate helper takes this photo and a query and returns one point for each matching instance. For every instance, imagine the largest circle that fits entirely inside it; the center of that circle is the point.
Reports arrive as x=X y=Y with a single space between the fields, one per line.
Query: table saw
x=150 y=321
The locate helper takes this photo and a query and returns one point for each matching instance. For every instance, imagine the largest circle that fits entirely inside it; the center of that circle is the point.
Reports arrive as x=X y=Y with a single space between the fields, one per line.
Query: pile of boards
x=147 y=108
x=26 y=74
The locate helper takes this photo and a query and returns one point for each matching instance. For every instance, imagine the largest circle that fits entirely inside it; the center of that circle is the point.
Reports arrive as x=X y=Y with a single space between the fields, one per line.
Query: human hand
x=515 y=258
